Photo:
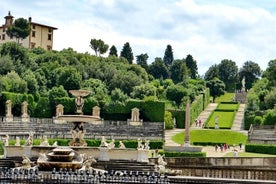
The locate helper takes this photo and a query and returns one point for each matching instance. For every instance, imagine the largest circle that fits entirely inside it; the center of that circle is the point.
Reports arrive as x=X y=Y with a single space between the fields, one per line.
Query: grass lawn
x=214 y=136
x=248 y=154
x=227 y=97
x=228 y=106
x=225 y=119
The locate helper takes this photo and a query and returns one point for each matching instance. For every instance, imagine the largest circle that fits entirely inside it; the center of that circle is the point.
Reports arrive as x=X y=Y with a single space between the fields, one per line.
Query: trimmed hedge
x=182 y=154
x=261 y=148
x=207 y=143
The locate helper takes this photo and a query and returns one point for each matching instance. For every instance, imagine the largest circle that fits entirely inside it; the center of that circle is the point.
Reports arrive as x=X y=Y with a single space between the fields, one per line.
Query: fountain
x=60 y=157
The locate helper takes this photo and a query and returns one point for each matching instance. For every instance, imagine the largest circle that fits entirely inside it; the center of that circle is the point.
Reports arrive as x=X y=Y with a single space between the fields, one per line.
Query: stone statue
x=24 y=108
x=146 y=146
x=59 y=110
x=243 y=84
x=44 y=141
x=17 y=141
x=29 y=141
x=161 y=164
x=8 y=108
x=6 y=140
x=55 y=143
x=26 y=163
x=111 y=145
x=140 y=145
x=96 y=111
x=216 y=122
x=42 y=156
x=103 y=142
x=135 y=114
x=79 y=104
x=122 y=145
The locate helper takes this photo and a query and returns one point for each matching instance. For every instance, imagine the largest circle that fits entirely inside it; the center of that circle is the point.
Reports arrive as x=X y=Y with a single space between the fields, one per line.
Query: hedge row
x=261 y=148
x=182 y=154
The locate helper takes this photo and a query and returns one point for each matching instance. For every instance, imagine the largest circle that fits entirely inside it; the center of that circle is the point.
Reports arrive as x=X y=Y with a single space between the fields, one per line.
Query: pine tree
x=127 y=53
x=168 y=56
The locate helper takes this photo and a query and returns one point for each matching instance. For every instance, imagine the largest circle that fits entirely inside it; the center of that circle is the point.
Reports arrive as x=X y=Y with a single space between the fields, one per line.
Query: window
x=3 y=37
x=4 y=29
x=49 y=47
x=49 y=37
x=50 y=30
x=33 y=26
x=33 y=33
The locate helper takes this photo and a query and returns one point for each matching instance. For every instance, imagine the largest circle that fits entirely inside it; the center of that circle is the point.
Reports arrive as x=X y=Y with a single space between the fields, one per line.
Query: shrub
x=261 y=148
x=168 y=120
x=182 y=154
x=258 y=120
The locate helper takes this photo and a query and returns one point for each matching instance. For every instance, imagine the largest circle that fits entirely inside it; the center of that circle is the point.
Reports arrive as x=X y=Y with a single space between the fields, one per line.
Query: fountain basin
x=80 y=118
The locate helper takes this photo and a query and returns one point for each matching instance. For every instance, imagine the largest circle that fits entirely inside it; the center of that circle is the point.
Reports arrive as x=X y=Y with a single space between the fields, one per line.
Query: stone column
x=187 y=126
x=96 y=111
x=9 y=116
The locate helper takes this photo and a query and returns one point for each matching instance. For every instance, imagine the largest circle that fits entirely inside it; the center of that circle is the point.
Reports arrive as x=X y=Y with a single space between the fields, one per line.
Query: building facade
x=40 y=35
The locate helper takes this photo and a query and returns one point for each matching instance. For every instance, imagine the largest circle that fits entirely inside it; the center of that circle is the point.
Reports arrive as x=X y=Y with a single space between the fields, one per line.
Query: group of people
x=198 y=123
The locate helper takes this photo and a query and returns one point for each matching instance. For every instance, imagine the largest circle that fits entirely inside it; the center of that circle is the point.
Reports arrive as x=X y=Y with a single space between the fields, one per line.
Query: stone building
x=40 y=35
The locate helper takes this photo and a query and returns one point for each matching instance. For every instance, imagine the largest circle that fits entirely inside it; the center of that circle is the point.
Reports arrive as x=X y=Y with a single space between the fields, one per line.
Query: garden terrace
x=264 y=134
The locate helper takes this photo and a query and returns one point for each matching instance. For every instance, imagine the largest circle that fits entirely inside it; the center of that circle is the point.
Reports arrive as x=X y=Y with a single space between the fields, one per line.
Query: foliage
x=216 y=87
x=6 y=65
x=214 y=136
x=228 y=106
x=142 y=60
x=261 y=148
x=20 y=29
x=176 y=93
x=142 y=91
x=228 y=73
x=98 y=46
x=127 y=53
x=270 y=72
x=212 y=72
x=270 y=99
x=117 y=96
x=258 y=120
x=270 y=117
x=169 y=124
x=251 y=71
x=178 y=71
x=158 y=69
x=192 y=66
x=168 y=56
x=113 y=51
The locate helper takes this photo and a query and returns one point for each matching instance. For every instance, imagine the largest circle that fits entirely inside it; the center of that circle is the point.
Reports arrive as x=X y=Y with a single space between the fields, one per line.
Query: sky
x=209 y=30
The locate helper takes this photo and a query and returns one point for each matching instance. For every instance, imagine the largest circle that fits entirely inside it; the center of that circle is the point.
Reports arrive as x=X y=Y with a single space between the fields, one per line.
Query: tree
x=178 y=71
x=20 y=29
x=192 y=66
x=176 y=93
x=212 y=72
x=270 y=72
x=142 y=60
x=127 y=53
x=217 y=87
x=6 y=65
x=168 y=56
x=68 y=77
x=251 y=71
x=270 y=99
x=142 y=91
x=158 y=69
x=98 y=46
x=113 y=51
x=118 y=96
x=228 y=73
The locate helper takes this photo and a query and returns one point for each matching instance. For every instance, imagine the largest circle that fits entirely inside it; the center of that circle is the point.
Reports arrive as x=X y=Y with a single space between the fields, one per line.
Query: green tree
x=142 y=91
x=270 y=117
x=168 y=56
x=32 y=83
x=118 y=96
x=68 y=77
x=270 y=99
x=142 y=61
x=179 y=71
x=158 y=69
x=6 y=65
x=192 y=66
x=20 y=29
x=127 y=53
x=228 y=73
x=113 y=51
x=251 y=71
x=212 y=72
x=98 y=46
x=176 y=93
x=217 y=87
x=97 y=87
x=168 y=120
x=270 y=72
x=56 y=92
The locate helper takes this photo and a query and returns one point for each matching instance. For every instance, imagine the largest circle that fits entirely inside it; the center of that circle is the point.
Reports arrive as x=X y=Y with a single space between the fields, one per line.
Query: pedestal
x=142 y=155
x=9 y=119
x=104 y=154
x=25 y=118
x=27 y=150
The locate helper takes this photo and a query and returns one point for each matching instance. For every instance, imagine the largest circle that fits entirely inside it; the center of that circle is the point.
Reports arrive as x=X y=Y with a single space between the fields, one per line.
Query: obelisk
x=187 y=125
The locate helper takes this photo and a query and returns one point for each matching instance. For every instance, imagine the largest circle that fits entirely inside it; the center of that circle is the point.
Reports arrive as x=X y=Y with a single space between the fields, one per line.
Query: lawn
x=212 y=136
x=227 y=97
x=225 y=119
x=228 y=106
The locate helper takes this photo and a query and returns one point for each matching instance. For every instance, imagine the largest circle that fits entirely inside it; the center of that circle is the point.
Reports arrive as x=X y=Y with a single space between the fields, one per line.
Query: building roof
x=43 y=25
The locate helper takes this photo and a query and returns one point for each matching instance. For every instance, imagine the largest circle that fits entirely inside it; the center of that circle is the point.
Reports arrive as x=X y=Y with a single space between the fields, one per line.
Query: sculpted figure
x=122 y=145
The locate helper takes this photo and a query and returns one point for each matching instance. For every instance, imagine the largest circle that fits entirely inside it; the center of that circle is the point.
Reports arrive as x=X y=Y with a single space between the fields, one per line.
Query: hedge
x=261 y=148
x=182 y=154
